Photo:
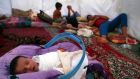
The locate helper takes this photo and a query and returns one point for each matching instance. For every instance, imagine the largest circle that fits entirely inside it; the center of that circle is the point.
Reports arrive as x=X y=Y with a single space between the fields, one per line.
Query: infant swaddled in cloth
x=62 y=61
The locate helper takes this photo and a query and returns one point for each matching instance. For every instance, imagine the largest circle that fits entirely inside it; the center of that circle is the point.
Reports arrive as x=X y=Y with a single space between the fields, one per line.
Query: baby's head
x=21 y=64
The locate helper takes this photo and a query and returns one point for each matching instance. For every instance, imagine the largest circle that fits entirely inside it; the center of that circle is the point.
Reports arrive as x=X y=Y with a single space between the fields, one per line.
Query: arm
x=92 y=21
x=105 y=17
x=68 y=11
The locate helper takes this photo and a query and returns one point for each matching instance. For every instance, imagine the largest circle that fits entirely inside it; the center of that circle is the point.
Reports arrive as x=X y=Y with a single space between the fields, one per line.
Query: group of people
x=70 y=20
x=101 y=22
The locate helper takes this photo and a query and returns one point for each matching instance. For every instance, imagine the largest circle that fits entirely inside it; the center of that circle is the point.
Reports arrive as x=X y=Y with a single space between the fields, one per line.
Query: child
x=59 y=60
x=72 y=19
x=105 y=26
x=57 y=13
x=60 y=22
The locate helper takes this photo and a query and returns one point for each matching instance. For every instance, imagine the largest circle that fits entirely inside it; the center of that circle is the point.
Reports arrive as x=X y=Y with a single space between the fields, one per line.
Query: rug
x=6 y=45
x=118 y=65
x=13 y=37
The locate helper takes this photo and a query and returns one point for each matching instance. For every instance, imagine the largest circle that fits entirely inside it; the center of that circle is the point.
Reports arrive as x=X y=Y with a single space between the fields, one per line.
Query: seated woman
x=105 y=26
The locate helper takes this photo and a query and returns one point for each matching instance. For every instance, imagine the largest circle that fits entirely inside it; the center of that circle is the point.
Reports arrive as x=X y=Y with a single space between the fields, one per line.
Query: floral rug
x=118 y=65
x=13 y=37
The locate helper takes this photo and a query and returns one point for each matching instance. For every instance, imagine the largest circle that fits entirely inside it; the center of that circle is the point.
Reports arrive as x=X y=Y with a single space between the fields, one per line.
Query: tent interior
x=111 y=8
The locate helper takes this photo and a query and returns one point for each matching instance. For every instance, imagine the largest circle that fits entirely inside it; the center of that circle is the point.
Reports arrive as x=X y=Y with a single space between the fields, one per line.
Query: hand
x=69 y=7
x=90 y=23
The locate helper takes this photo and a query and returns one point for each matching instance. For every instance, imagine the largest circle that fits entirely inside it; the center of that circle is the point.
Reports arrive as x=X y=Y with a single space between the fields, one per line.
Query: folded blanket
x=62 y=61
x=70 y=59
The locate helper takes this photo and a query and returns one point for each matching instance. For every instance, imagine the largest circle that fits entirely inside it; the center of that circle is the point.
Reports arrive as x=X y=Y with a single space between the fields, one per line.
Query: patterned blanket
x=22 y=22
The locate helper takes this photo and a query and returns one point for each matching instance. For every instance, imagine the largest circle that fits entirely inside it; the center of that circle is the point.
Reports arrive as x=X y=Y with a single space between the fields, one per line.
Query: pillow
x=81 y=19
x=117 y=38
x=21 y=13
x=45 y=17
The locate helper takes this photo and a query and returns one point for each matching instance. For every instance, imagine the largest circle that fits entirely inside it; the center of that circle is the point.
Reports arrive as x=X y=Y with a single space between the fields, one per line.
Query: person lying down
x=60 y=60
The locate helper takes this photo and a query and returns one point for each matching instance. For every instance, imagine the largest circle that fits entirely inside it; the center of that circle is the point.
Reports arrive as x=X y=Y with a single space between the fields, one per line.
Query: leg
x=72 y=20
x=121 y=21
x=103 y=32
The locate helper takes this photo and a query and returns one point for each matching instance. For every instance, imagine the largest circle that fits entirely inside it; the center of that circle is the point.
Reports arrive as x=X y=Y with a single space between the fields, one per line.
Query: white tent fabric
x=111 y=8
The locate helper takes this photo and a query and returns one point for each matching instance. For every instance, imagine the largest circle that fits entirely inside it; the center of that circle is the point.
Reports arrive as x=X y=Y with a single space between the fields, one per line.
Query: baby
x=60 y=60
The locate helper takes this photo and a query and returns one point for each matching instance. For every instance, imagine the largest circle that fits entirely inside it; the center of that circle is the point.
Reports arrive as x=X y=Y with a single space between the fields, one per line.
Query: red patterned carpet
x=13 y=37
x=116 y=64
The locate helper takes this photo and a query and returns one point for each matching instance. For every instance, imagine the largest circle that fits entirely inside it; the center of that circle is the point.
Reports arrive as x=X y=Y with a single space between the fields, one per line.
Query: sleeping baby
x=60 y=60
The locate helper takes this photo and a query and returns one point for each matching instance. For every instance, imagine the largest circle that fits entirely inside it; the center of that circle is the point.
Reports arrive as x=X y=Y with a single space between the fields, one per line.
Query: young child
x=57 y=12
x=59 y=60
x=72 y=17
x=59 y=21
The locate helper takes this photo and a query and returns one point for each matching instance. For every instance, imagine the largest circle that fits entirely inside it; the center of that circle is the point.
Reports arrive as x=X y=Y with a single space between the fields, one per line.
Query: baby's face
x=25 y=65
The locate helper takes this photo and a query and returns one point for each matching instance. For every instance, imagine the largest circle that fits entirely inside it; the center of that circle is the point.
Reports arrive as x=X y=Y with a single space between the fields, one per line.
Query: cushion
x=44 y=17
x=20 y=13
x=81 y=19
x=117 y=38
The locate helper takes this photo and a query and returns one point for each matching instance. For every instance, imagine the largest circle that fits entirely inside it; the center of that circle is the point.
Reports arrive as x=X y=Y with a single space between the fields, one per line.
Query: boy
x=60 y=22
x=57 y=13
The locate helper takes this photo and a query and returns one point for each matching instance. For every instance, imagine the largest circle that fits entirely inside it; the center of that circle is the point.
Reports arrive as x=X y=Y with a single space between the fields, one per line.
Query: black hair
x=88 y=16
x=13 y=65
x=58 y=5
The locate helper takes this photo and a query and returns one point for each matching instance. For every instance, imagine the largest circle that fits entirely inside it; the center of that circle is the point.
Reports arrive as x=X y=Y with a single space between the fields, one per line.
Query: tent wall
x=132 y=8
x=5 y=7
x=110 y=8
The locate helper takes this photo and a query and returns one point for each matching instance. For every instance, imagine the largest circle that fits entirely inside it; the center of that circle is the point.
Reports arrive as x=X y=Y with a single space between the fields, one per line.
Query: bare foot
x=102 y=39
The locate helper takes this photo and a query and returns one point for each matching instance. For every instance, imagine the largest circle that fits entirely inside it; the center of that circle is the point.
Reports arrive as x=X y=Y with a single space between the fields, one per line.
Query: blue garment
x=109 y=26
